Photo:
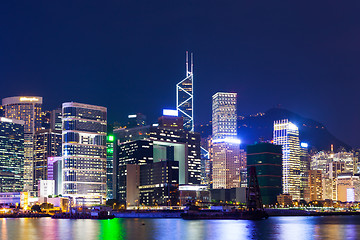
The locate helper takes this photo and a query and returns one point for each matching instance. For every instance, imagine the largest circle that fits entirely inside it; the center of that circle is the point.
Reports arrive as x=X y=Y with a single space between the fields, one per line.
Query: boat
x=254 y=207
x=234 y=215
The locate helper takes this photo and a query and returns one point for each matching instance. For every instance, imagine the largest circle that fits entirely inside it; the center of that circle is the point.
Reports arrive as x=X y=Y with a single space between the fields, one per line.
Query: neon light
x=304 y=145
x=227 y=140
x=110 y=138
x=6 y=120
x=170 y=112
x=29 y=99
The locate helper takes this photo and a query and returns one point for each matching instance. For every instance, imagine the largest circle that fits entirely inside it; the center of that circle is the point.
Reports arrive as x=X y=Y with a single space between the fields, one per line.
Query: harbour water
x=329 y=227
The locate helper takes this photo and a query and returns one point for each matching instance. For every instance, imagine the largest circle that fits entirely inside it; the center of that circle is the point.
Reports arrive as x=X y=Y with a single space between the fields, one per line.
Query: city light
x=228 y=140
x=170 y=112
x=304 y=145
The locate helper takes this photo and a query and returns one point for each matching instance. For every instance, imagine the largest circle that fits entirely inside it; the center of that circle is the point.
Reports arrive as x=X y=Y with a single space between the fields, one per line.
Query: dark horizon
x=129 y=56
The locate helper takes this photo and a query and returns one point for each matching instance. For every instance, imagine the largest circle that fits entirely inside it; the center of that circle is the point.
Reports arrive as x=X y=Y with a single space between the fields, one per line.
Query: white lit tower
x=287 y=134
x=225 y=157
x=185 y=96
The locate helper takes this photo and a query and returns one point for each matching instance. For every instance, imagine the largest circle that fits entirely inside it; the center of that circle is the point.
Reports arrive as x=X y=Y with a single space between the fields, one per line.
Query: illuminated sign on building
x=29 y=99
x=170 y=112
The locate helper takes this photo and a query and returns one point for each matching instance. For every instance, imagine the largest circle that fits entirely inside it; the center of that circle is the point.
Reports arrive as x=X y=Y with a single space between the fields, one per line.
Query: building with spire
x=185 y=95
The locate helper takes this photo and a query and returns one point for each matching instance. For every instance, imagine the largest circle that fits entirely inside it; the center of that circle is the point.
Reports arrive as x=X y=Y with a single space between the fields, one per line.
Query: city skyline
x=127 y=51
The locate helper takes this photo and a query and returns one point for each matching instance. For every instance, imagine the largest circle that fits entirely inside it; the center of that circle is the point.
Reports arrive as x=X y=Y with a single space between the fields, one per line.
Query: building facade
x=224 y=116
x=267 y=158
x=11 y=155
x=47 y=143
x=27 y=109
x=84 y=151
x=287 y=134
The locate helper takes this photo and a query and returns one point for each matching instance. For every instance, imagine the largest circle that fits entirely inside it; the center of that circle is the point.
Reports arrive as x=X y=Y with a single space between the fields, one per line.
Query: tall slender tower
x=225 y=157
x=287 y=134
x=185 y=96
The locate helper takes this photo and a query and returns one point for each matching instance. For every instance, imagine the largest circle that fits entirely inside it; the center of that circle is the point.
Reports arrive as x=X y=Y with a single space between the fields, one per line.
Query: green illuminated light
x=110 y=138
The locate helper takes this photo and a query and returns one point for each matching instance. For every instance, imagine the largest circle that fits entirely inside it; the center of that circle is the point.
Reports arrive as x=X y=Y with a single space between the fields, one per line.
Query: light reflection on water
x=335 y=227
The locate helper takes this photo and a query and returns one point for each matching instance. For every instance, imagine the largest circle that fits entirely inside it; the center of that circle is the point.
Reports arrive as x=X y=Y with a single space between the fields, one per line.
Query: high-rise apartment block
x=28 y=109
x=11 y=155
x=84 y=151
x=287 y=134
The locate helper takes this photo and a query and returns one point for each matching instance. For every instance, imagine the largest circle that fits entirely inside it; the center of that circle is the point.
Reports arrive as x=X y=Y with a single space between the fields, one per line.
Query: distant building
x=315 y=185
x=11 y=155
x=267 y=158
x=304 y=172
x=46 y=188
x=56 y=120
x=284 y=199
x=28 y=109
x=348 y=188
x=136 y=120
x=123 y=135
x=110 y=141
x=47 y=143
x=287 y=134
x=84 y=152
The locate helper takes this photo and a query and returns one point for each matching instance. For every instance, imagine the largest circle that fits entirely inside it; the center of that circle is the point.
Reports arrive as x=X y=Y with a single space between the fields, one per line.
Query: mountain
x=252 y=128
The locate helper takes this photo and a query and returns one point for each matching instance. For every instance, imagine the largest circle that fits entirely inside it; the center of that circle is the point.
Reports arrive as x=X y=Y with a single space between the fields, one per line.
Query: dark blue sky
x=128 y=55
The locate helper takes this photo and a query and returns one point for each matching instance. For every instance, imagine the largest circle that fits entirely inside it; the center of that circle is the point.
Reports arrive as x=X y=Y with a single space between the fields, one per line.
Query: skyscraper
x=185 y=95
x=225 y=152
x=224 y=117
x=47 y=143
x=84 y=151
x=28 y=109
x=11 y=155
x=287 y=134
x=226 y=163
x=267 y=158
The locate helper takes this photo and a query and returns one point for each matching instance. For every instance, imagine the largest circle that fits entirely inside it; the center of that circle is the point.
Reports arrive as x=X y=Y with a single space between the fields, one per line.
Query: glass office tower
x=84 y=152
x=28 y=109
x=11 y=155
x=287 y=134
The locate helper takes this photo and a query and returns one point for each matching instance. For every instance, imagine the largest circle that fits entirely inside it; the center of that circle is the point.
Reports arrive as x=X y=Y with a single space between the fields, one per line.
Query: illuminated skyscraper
x=28 y=109
x=224 y=118
x=11 y=155
x=185 y=96
x=84 y=152
x=225 y=152
x=226 y=163
x=287 y=135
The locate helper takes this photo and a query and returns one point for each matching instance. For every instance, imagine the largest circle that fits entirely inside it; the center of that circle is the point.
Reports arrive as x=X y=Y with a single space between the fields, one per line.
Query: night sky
x=128 y=56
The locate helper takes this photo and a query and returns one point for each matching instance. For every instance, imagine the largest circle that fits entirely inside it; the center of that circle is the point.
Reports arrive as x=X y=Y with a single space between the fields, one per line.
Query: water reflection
x=337 y=227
